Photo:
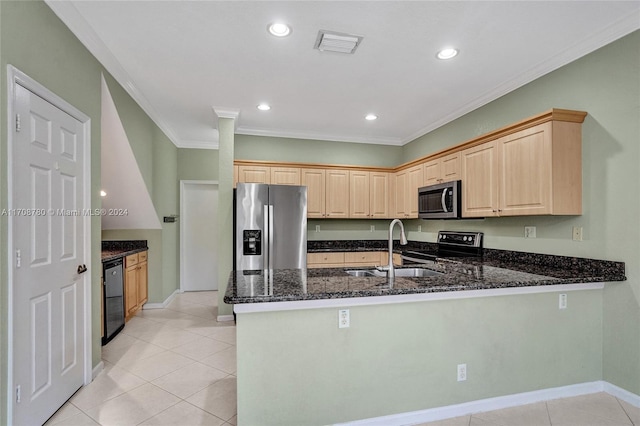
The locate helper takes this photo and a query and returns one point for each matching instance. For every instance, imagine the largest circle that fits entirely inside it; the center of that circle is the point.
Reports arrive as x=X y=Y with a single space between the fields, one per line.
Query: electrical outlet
x=419 y=228
x=343 y=318
x=562 y=301
x=317 y=228
x=462 y=372
x=529 y=231
x=373 y=228
x=577 y=233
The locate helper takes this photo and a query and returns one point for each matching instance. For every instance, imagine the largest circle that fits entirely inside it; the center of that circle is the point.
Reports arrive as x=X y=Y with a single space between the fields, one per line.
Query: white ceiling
x=179 y=59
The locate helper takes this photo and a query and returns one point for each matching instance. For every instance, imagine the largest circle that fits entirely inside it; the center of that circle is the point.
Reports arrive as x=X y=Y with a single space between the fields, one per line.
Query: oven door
x=440 y=201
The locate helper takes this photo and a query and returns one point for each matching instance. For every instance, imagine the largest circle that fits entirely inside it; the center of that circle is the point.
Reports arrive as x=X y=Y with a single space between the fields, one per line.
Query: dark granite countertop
x=115 y=249
x=496 y=269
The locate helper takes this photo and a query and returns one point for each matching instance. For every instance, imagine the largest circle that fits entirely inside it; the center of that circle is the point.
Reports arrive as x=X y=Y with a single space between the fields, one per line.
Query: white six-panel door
x=48 y=243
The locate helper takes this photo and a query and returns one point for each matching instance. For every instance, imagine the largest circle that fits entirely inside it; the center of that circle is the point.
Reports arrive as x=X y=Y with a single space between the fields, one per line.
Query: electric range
x=450 y=244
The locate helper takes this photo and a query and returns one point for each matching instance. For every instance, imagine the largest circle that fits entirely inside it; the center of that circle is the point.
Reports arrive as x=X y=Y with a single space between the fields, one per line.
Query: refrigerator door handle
x=265 y=238
x=270 y=236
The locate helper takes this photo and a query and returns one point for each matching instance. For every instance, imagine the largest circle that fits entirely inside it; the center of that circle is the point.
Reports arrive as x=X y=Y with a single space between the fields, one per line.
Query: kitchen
x=606 y=89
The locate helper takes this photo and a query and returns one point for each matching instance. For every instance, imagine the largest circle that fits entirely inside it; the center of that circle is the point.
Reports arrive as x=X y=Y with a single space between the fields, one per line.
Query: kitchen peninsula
x=498 y=315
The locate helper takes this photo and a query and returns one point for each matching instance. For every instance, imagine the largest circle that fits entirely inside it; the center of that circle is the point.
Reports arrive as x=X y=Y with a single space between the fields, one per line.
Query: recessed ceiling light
x=264 y=107
x=447 y=53
x=279 y=29
x=103 y=193
x=371 y=117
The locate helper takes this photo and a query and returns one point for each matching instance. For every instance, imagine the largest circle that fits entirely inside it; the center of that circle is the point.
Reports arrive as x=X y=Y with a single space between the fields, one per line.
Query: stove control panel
x=465 y=239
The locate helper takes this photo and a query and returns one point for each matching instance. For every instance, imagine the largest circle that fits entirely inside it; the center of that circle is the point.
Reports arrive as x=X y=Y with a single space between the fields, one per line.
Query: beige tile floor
x=177 y=366
x=173 y=366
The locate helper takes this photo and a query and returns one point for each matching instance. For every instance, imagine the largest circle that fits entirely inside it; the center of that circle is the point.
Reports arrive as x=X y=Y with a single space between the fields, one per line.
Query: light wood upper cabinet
x=285 y=176
x=404 y=192
x=444 y=169
x=314 y=180
x=480 y=181
x=359 y=202
x=369 y=194
x=378 y=194
x=337 y=194
x=536 y=171
x=254 y=174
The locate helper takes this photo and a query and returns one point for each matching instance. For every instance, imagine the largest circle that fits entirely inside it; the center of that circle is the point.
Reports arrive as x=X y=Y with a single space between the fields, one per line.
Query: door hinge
x=18 y=124
x=18 y=394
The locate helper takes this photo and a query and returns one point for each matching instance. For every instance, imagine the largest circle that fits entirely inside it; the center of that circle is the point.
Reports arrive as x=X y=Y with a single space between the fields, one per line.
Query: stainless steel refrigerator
x=270 y=227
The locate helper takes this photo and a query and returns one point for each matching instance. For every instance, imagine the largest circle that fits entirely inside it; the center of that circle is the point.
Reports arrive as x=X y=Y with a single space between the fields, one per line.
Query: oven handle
x=444 y=204
x=413 y=259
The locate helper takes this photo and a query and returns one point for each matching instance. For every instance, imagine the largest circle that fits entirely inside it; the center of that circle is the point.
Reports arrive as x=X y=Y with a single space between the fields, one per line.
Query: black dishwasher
x=113 y=299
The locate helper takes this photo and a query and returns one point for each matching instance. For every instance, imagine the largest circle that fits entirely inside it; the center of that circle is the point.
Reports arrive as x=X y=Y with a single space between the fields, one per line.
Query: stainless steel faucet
x=403 y=240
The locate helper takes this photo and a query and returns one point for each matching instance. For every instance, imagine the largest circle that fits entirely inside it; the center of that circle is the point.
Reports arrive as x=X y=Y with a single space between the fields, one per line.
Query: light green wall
x=197 y=164
x=37 y=43
x=157 y=159
x=606 y=84
x=403 y=357
x=314 y=151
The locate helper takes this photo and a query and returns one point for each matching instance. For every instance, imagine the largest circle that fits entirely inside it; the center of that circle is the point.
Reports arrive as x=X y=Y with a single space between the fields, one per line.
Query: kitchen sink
x=400 y=272
x=364 y=273
x=416 y=272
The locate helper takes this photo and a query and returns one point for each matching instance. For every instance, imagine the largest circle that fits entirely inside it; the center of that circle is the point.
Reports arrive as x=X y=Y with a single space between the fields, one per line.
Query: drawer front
x=131 y=260
x=325 y=258
x=372 y=257
x=142 y=256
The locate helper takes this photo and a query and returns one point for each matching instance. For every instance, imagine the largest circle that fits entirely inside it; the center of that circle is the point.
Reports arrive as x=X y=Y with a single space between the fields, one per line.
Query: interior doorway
x=198 y=235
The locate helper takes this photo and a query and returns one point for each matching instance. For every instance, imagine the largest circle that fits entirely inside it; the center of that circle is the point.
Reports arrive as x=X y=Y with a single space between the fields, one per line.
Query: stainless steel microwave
x=441 y=201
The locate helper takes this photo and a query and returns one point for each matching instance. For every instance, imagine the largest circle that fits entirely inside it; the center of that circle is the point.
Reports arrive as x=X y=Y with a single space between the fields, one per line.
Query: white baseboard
x=163 y=304
x=224 y=318
x=622 y=394
x=498 y=403
x=96 y=370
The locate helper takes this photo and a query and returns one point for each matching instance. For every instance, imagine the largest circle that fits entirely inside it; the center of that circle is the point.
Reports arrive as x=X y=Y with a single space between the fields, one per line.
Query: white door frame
x=16 y=77
x=182 y=225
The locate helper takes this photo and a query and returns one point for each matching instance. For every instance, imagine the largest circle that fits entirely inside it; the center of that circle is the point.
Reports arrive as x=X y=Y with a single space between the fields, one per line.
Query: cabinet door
x=285 y=176
x=379 y=194
x=415 y=181
x=236 y=173
x=480 y=181
x=399 y=194
x=360 y=194
x=450 y=168
x=143 y=290
x=525 y=172
x=130 y=291
x=314 y=180
x=337 y=198
x=431 y=170
x=254 y=174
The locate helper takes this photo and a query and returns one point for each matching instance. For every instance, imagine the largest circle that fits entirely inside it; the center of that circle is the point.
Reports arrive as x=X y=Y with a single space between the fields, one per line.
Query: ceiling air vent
x=331 y=41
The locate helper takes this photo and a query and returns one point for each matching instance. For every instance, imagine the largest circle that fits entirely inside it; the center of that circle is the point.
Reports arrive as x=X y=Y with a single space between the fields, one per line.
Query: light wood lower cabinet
x=135 y=284
x=348 y=259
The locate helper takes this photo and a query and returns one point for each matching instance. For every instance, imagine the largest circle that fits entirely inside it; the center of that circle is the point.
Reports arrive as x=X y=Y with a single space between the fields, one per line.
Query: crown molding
x=76 y=23
x=225 y=112
x=251 y=131
x=213 y=144
x=617 y=30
